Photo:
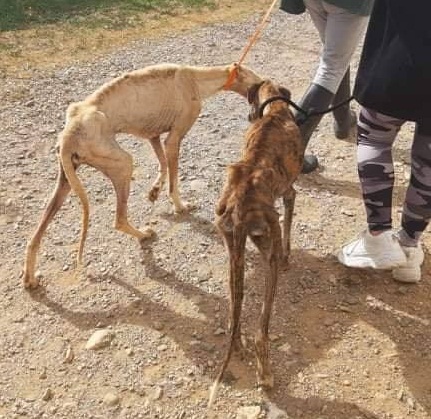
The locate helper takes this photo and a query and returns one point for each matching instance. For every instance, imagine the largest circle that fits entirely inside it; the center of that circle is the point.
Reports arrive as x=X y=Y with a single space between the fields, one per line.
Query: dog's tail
x=68 y=152
x=236 y=285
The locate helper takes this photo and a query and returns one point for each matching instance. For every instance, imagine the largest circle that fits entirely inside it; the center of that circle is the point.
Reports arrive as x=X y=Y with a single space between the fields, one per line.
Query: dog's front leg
x=163 y=169
x=172 y=151
x=289 y=204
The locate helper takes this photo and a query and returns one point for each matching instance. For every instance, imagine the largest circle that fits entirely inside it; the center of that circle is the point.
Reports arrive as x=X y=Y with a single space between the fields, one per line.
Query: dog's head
x=260 y=92
x=243 y=79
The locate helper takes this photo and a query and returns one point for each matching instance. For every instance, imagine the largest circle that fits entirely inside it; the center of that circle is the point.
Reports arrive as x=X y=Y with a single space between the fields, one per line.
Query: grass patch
x=25 y=14
x=62 y=32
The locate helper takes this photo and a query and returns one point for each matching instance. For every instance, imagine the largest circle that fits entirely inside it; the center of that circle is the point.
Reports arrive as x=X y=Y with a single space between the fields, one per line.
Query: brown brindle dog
x=271 y=161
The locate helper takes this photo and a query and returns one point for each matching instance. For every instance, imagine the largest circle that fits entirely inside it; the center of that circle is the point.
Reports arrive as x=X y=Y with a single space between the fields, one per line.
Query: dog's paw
x=146 y=234
x=30 y=283
x=154 y=193
x=284 y=261
x=266 y=381
x=184 y=208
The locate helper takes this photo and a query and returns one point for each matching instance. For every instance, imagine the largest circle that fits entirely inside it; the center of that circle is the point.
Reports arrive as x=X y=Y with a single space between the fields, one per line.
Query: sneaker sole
x=363 y=263
x=408 y=276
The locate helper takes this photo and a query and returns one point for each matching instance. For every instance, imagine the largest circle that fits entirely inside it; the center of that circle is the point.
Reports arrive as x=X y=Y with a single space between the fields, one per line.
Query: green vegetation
x=110 y=14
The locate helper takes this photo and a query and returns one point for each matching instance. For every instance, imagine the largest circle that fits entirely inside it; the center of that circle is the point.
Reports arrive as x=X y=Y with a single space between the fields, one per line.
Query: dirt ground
x=345 y=344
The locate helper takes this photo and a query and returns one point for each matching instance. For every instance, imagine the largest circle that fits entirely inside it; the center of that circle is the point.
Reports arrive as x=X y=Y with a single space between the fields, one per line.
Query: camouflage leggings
x=376 y=135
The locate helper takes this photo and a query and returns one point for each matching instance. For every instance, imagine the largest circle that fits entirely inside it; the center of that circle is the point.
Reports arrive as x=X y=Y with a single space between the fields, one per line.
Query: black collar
x=274 y=99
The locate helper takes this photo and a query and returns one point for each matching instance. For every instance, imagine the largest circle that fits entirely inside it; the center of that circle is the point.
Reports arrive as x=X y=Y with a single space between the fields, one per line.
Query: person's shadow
x=318 y=302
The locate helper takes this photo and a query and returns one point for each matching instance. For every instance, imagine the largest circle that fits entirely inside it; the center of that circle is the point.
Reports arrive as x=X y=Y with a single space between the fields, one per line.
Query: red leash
x=252 y=41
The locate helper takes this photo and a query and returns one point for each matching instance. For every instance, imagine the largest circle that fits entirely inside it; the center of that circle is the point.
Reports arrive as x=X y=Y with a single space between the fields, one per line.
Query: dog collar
x=233 y=74
x=270 y=100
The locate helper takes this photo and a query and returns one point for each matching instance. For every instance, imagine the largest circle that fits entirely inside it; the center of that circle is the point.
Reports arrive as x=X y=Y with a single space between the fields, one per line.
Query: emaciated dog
x=271 y=161
x=149 y=102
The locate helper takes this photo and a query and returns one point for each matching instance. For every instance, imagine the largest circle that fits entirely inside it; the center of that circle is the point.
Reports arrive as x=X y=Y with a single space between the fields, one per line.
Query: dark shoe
x=344 y=117
x=310 y=164
x=343 y=129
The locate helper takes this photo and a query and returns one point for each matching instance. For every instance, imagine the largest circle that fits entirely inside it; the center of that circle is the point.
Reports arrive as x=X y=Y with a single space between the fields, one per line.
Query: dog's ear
x=285 y=92
x=252 y=92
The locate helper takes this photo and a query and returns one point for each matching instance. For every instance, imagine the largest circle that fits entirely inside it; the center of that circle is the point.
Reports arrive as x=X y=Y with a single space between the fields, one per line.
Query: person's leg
x=316 y=97
x=417 y=207
x=344 y=116
x=376 y=135
x=340 y=32
x=377 y=247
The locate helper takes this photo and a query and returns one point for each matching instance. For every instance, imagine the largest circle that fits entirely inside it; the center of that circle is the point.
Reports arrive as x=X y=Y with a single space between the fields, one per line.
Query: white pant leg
x=318 y=15
x=340 y=32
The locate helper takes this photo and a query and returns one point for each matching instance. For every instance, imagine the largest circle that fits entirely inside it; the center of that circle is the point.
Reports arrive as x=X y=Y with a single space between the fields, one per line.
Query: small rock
x=347 y=212
x=43 y=375
x=69 y=356
x=111 y=399
x=47 y=395
x=351 y=299
x=248 y=412
x=157 y=393
x=162 y=347
x=275 y=413
x=411 y=403
x=100 y=339
x=219 y=331
x=158 y=325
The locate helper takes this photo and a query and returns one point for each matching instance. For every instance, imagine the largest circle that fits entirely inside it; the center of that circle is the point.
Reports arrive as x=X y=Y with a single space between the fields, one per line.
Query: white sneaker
x=411 y=270
x=367 y=251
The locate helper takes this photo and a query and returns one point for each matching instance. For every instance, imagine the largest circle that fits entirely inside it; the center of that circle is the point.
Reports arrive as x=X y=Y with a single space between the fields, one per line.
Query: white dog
x=147 y=103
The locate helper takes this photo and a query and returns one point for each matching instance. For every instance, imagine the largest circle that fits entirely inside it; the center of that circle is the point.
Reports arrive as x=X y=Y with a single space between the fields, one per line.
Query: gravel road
x=345 y=344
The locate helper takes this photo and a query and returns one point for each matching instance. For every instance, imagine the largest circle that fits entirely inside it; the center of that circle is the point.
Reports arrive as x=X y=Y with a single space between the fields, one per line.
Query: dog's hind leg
x=289 y=204
x=270 y=250
x=235 y=244
x=62 y=189
x=163 y=169
x=117 y=165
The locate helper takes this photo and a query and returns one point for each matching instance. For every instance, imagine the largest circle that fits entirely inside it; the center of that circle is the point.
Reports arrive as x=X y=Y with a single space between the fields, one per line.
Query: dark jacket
x=394 y=75
x=357 y=7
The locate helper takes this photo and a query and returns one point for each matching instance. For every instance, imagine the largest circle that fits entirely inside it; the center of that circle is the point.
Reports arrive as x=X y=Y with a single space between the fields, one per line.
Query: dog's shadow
x=143 y=311
x=200 y=224
x=301 y=292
